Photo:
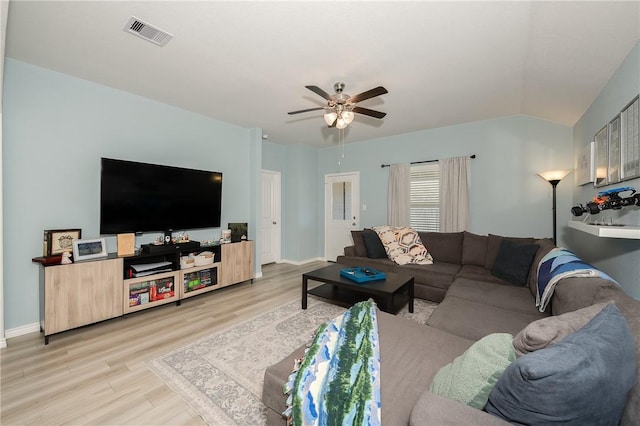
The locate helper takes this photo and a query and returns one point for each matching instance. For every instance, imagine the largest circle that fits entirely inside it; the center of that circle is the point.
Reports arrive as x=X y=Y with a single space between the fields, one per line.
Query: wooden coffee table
x=390 y=294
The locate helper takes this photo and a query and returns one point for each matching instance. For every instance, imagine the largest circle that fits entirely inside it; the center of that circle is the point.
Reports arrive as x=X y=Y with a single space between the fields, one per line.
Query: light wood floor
x=97 y=374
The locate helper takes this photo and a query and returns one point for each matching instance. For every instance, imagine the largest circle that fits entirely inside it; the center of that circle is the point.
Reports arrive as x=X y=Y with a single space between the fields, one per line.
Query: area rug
x=221 y=375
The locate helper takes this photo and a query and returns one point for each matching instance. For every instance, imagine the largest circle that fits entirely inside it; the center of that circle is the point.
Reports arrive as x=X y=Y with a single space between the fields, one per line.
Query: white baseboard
x=3 y=343
x=303 y=262
x=258 y=275
x=22 y=330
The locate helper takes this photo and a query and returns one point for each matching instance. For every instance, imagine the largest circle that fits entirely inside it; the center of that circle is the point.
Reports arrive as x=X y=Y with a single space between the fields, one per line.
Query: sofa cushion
x=506 y=297
x=472 y=375
x=513 y=261
x=493 y=246
x=444 y=246
x=438 y=274
x=474 y=249
x=576 y=293
x=358 y=242
x=473 y=320
x=583 y=379
x=544 y=332
x=432 y=409
x=478 y=273
x=372 y=244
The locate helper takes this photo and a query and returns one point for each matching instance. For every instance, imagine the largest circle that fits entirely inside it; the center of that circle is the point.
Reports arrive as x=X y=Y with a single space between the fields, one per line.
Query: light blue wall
x=274 y=157
x=617 y=257
x=55 y=130
x=507 y=196
x=301 y=204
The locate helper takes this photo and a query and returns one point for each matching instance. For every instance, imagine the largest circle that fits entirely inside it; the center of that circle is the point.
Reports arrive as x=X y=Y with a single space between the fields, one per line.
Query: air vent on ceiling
x=148 y=32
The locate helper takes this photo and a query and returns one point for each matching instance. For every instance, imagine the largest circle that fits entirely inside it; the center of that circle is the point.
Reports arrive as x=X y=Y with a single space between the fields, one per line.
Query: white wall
x=57 y=127
x=617 y=257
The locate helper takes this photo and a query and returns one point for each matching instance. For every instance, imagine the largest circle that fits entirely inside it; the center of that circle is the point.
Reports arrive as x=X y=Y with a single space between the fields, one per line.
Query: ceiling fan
x=341 y=107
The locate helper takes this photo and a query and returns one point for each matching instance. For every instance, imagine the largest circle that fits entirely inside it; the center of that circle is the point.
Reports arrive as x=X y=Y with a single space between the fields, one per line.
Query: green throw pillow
x=471 y=376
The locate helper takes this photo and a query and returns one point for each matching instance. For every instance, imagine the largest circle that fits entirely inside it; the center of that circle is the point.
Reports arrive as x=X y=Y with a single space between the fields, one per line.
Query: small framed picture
x=89 y=249
x=57 y=241
x=602 y=157
x=586 y=164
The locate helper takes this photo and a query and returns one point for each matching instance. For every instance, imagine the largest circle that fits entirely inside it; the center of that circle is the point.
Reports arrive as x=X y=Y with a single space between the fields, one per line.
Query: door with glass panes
x=342 y=211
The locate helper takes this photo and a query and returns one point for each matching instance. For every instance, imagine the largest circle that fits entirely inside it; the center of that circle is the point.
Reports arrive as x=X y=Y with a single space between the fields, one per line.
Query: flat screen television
x=141 y=197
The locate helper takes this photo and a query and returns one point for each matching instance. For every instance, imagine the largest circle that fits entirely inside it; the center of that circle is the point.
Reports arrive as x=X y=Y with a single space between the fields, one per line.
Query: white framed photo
x=586 y=164
x=602 y=156
x=89 y=249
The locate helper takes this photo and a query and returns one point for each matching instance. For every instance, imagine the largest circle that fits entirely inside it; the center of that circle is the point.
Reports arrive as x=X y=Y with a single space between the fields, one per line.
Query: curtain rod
x=425 y=161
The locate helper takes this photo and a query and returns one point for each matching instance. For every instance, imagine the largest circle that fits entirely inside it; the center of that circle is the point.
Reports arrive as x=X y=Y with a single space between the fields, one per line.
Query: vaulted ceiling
x=246 y=63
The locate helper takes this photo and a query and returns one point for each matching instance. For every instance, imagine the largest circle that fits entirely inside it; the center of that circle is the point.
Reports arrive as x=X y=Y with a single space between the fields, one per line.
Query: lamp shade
x=330 y=118
x=347 y=116
x=557 y=175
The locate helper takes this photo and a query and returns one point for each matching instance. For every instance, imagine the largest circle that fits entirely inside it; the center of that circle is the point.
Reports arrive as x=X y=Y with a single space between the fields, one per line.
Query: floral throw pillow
x=403 y=245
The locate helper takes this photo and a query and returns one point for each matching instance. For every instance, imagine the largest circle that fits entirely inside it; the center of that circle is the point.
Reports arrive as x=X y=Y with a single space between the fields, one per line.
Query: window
x=425 y=197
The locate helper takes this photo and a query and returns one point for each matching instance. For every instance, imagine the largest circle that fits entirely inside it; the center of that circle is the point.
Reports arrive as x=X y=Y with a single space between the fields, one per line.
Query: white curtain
x=399 y=194
x=455 y=175
x=4 y=11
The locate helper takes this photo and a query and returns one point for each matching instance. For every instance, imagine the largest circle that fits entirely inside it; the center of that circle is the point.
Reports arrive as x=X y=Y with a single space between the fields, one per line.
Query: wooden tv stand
x=87 y=292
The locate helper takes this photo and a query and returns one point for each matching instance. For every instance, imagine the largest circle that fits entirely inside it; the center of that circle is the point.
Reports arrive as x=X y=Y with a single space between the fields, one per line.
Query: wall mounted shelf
x=607 y=231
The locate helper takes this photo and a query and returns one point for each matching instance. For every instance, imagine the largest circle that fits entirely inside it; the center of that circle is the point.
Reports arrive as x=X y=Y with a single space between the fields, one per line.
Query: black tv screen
x=140 y=197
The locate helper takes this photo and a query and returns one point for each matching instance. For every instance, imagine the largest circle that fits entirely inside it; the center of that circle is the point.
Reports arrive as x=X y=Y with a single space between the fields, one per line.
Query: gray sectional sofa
x=474 y=304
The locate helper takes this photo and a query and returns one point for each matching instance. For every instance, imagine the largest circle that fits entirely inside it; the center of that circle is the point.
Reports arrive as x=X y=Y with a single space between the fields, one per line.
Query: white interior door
x=271 y=236
x=342 y=211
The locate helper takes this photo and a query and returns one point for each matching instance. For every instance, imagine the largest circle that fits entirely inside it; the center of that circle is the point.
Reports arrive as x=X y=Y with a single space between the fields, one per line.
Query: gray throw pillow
x=546 y=331
x=373 y=245
x=493 y=246
x=583 y=379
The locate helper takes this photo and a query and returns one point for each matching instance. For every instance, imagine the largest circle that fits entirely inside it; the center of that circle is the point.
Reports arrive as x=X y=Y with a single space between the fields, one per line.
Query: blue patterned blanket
x=338 y=381
x=561 y=263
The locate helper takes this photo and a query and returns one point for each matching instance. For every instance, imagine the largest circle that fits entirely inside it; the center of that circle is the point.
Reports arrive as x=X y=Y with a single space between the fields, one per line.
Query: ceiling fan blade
x=305 y=110
x=369 y=112
x=319 y=91
x=376 y=91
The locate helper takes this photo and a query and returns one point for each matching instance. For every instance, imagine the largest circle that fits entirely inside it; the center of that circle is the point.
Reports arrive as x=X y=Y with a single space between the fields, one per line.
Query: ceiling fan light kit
x=341 y=107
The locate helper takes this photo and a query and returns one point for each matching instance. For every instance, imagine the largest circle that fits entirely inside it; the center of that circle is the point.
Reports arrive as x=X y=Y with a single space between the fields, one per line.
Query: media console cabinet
x=86 y=292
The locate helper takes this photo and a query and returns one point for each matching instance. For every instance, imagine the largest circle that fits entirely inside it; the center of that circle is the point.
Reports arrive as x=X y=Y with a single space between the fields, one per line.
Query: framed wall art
x=602 y=156
x=89 y=249
x=586 y=172
x=630 y=140
x=57 y=241
x=613 y=174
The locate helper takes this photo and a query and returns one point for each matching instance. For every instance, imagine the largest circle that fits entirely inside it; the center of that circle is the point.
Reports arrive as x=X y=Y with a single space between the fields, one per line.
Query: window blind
x=425 y=197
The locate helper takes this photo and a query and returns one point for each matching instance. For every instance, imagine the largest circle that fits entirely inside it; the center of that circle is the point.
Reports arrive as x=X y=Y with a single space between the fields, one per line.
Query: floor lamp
x=554 y=177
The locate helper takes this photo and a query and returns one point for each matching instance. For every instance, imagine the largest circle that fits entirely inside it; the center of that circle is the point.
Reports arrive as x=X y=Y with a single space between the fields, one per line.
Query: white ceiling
x=247 y=63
